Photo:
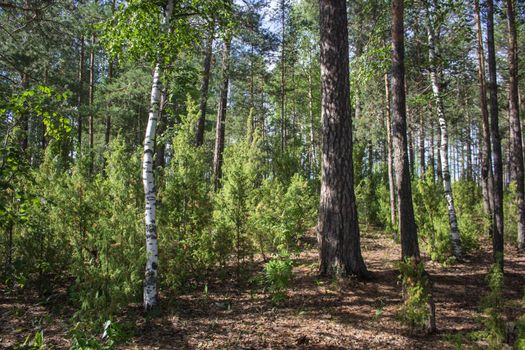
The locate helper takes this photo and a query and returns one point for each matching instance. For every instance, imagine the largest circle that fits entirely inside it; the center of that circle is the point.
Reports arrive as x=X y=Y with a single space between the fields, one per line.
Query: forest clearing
x=262 y=174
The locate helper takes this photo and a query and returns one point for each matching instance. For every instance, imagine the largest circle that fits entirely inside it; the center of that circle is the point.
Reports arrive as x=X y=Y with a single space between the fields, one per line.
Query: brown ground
x=317 y=314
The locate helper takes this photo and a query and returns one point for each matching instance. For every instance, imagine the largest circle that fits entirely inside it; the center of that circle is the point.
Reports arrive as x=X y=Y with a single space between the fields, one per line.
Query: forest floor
x=316 y=314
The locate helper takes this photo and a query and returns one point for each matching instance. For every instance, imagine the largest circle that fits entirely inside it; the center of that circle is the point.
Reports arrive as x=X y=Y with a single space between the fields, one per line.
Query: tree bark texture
x=486 y=149
x=338 y=227
x=152 y=253
x=516 y=150
x=206 y=69
x=221 y=116
x=498 y=223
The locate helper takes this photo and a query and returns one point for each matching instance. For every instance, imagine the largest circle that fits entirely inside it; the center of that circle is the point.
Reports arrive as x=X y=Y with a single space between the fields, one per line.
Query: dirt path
x=317 y=314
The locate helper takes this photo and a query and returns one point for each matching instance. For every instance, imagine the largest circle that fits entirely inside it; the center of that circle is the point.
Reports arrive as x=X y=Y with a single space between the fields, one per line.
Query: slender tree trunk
x=91 y=89
x=111 y=67
x=338 y=225
x=498 y=223
x=24 y=144
x=152 y=252
x=221 y=116
x=206 y=69
x=391 y=188
x=436 y=89
x=468 y=146
x=432 y=159
x=422 y=164
x=107 y=130
x=80 y=102
x=160 y=159
x=486 y=160
x=515 y=123
x=313 y=151
x=283 y=76
x=407 y=223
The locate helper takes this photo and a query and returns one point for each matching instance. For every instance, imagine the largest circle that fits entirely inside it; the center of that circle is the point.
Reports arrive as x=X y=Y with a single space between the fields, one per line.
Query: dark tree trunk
x=486 y=149
x=221 y=116
x=516 y=150
x=160 y=154
x=422 y=165
x=468 y=146
x=24 y=144
x=206 y=69
x=338 y=226
x=91 y=89
x=432 y=159
x=407 y=224
x=498 y=224
x=283 y=78
x=107 y=130
x=111 y=67
x=80 y=101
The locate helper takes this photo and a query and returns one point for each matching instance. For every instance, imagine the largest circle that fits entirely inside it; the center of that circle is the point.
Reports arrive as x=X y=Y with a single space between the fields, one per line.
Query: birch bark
x=152 y=253
x=445 y=169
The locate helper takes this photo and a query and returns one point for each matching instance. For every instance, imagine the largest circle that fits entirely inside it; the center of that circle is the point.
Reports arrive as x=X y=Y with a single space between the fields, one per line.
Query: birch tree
x=436 y=90
x=140 y=30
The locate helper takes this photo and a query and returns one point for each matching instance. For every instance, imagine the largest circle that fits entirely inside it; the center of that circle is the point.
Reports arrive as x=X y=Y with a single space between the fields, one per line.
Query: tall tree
x=498 y=224
x=407 y=223
x=91 y=90
x=338 y=227
x=391 y=189
x=152 y=252
x=515 y=123
x=486 y=158
x=436 y=89
x=221 y=115
x=206 y=70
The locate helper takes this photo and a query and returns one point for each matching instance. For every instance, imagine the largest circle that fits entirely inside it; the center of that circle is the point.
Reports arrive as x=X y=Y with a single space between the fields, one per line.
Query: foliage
x=185 y=208
x=278 y=276
x=492 y=307
x=235 y=199
x=432 y=217
x=415 y=310
x=281 y=217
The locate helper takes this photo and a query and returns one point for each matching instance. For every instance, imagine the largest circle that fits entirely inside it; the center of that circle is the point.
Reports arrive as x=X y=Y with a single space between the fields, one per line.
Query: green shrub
x=415 y=311
x=492 y=306
x=278 y=275
x=185 y=209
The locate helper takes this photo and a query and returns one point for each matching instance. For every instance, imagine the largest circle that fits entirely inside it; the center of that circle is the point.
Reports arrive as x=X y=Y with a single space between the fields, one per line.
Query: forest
x=262 y=174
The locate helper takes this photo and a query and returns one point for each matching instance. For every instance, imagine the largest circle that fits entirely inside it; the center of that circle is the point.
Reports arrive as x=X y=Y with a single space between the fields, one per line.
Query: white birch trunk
x=152 y=251
x=445 y=169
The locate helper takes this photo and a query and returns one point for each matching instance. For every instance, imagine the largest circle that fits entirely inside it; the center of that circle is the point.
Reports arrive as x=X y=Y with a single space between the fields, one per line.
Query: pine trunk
x=221 y=116
x=283 y=81
x=206 y=69
x=338 y=226
x=516 y=160
x=422 y=165
x=91 y=90
x=498 y=223
x=407 y=223
x=486 y=160
x=80 y=101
